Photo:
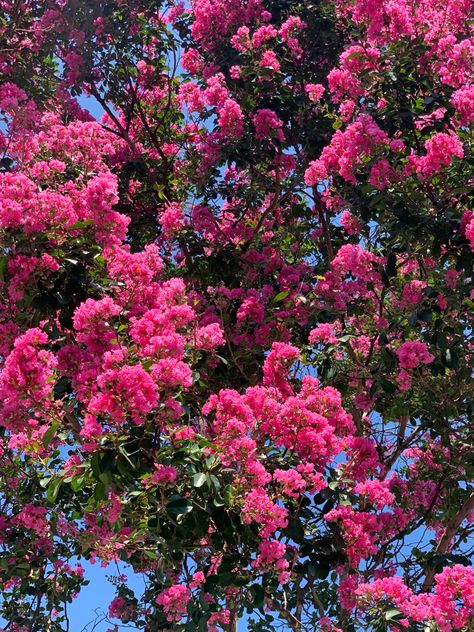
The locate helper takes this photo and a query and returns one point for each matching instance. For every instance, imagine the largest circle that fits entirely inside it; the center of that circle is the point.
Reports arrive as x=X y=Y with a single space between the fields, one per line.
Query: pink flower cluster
x=25 y=380
x=174 y=601
x=117 y=386
x=259 y=508
x=172 y=219
x=231 y=120
x=214 y=19
x=450 y=607
x=315 y=91
x=413 y=353
x=440 y=151
x=267 y=124
x=463 y=102
x=271 y=557
x=33 y=517
x=32 y=208
x=347 y=150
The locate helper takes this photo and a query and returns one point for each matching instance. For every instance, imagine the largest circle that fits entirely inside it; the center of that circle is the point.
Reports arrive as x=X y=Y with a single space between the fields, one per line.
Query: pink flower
x=440 y=151
x=404 y=380
x=192 y=61
x=266 y=124
x=120 y=608
x=412 y=292
x=392 y=587
x=381 y=174
x=241 y=40
x=209 y=337
x=174 y=601
x=231 y=120
x=33 y=517
x=169 y=372
x=347 y=150
x=413 y=354
x=125 y=389
x=235 y=72
x=463 y=102
x=277 y=365
x=263 y=34
x=198 y=578
x=315 y=173
x=351 y=224
x=451 y=605
x=315 y=91
x=269 y=60
x=215 y=19
x=293 y=484
x=26 y=378
x=467 y=223
x=164 y=475
x=172 y=219
x=271 y=558
x=259 y=508
x=323 y=333
x=361 y=531
x=376 y=492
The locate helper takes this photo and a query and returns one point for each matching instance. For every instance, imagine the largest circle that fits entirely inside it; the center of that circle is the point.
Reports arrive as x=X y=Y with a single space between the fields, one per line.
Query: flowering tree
x=235 y=324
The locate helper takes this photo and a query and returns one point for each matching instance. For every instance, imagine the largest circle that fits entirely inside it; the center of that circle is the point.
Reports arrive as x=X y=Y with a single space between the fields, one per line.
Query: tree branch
x=450 y=531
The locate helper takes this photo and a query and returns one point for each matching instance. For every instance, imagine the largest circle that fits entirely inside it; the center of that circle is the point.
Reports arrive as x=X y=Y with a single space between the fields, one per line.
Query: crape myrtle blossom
x=235 y=318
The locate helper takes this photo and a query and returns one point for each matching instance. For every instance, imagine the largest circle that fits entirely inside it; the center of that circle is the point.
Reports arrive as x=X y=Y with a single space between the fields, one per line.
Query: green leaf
x=22 y=569
x=179 y=506
x=392 y=614
x=229 y=495
x=99 y=491
x=226 y=579
x=3 y=267
x=425 y=315
x=345 y=338
x=391 y=266
x=95 y=464
x=215 y=482
x=412 y=320
x=258 y=595
x=388 y=387
x=123 y=467
x=49 y=434
x=198 y=480
x=211 y=462
x=53 y=489
x=106 y=478
x=389 y=358
x=124 y=453
x=295 y=530
x=77 y=482
x=280 y=296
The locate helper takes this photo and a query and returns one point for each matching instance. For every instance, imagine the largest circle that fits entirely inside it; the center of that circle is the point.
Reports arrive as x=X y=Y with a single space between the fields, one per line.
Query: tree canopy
x=236 y=343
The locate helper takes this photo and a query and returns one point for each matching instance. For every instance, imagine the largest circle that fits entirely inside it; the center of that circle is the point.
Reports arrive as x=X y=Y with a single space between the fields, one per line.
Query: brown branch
x=324 y=225
x=123 y=132
x=294 y=623
x=450 y=531
x=318 y=601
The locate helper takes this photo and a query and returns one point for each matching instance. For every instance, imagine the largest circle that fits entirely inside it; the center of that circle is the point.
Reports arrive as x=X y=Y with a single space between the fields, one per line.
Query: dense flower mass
x=236 y=350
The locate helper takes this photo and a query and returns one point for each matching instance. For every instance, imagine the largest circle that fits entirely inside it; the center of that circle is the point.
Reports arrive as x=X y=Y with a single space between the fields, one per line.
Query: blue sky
x=96 y=597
